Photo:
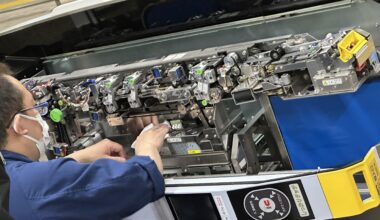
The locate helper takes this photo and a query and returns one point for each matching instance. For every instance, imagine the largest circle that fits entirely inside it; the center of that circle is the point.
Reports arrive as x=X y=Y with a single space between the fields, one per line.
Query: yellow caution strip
x=14 y=3
x=341 y=191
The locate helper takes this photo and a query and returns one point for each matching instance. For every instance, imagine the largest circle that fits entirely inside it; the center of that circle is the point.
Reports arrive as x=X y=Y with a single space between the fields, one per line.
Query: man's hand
x=152 y=138
x=103 y=149
x=137 y=124
x=150 y=142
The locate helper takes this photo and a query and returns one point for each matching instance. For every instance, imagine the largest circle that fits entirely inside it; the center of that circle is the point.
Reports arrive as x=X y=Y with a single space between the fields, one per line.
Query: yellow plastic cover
x=341 y=191
x=350 y=45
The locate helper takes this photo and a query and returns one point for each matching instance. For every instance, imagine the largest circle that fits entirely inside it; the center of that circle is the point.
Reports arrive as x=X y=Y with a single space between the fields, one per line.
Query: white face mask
x=44 y=142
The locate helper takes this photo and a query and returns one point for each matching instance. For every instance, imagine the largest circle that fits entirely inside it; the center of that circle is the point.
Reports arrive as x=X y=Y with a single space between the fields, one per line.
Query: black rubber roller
x=277 y=53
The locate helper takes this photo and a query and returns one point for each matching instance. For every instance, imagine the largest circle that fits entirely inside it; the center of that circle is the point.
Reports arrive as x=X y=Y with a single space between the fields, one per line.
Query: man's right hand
x=137 y=124
x=152 y=138
x=149 y=143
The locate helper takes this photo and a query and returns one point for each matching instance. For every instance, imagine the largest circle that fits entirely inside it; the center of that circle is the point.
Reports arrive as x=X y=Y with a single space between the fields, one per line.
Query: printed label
x=273 y=201
x=115 y=121
x=194 y=151
x=176 y=124
x=174 y=140
x=299 y=200
x=221 y=207
x=375 y=173
x=332 y=82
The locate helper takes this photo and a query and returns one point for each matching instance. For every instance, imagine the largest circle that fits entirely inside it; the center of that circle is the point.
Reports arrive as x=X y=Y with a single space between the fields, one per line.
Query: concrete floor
x=15 y=11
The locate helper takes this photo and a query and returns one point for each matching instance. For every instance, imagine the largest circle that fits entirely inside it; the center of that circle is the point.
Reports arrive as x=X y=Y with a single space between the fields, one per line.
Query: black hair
x=11 y=101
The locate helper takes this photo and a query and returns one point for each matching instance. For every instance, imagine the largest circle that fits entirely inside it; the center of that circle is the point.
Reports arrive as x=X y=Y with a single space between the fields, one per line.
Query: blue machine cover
x=330 y=131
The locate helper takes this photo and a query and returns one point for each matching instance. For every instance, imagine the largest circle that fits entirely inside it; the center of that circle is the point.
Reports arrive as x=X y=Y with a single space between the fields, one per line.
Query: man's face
x=33 y=128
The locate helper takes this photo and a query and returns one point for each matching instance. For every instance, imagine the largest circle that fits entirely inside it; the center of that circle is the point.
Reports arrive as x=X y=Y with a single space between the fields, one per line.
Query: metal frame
x=249 y=147
x=272 y=122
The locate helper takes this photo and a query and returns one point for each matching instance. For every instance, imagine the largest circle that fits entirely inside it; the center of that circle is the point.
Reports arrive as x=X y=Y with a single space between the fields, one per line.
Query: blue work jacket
x=65 y=189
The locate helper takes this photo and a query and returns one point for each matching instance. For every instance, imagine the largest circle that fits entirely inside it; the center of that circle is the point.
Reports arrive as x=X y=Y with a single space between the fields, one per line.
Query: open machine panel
x=212 y=98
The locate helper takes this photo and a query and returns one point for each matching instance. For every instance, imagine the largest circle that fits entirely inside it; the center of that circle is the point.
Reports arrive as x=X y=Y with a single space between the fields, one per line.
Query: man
x=94 y=183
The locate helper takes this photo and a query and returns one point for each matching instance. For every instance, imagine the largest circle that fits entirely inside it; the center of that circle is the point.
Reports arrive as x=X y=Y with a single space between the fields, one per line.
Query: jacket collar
x=12 y=156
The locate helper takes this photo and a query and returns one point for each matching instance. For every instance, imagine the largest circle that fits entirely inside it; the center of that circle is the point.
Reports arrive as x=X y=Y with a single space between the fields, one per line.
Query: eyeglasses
x=42 y=108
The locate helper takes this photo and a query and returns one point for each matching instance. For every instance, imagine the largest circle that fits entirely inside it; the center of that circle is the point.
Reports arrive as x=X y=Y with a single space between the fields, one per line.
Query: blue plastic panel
x=330 y=131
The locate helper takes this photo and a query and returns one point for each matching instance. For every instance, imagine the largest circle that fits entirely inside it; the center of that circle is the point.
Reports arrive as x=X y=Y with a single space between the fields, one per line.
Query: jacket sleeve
x=105 y=189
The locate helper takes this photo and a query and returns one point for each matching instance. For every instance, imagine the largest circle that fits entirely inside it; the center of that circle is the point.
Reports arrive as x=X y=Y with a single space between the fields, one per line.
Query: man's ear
x=18 y=125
